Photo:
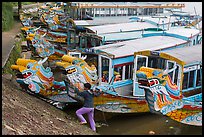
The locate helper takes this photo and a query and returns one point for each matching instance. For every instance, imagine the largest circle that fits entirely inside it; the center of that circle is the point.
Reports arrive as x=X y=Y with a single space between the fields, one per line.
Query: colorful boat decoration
x=171 y=82
x=51 y=36
x=40 y=81
x=115 y=71
x=37 y=80
x=119 y=96
x=51 y=8
x=43 y=48
x=55 y=24
x=59 y=11
x=26 y=21
x=29 y=31
x=56 y=37
x=31 y=21
x=79 y=72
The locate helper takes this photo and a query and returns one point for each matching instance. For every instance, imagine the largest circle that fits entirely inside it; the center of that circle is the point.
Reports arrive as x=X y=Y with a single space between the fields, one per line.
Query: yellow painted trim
x=162 y=55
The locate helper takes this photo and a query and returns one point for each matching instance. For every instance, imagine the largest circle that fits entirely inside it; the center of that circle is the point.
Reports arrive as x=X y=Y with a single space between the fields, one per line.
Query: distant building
x=100 y=9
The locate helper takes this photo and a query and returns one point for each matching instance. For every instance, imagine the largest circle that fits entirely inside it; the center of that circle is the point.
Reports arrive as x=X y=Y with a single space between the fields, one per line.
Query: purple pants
x=90 y=113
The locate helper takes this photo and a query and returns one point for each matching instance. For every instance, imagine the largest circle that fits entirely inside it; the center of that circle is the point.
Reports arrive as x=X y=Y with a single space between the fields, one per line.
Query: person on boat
x=88 y=107
x=117 y=78
x=104 y=78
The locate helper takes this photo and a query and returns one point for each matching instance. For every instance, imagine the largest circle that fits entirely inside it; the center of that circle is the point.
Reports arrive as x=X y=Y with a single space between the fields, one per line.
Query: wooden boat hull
x=114 y=103
x=120 y=104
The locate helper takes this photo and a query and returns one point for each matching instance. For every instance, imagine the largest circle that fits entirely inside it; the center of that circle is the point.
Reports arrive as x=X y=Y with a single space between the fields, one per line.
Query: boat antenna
x=142 y=14
x=196 y=17
x=163 y=26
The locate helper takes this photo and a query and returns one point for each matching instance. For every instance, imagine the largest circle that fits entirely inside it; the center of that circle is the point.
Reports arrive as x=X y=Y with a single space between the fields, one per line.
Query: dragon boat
x=37 y=80
x=171 y=82
x=42 y=48
x=51 y=85
x=115 y=64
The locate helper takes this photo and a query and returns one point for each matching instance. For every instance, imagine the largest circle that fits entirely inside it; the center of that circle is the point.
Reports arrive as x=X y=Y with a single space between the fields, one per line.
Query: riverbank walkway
x=8 y=41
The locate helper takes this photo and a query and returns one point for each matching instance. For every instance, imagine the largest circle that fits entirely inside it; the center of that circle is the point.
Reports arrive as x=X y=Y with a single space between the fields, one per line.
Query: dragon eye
x=28 y=67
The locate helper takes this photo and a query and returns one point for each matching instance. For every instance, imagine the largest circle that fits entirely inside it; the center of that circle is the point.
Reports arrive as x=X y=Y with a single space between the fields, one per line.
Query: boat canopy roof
x=186 y=32
x=121 y=36
x=103 y=20
x=127 y=48
x=167 y=18
x=160 y=20
x=188 y=54
x=81 y=22
x=122 y=27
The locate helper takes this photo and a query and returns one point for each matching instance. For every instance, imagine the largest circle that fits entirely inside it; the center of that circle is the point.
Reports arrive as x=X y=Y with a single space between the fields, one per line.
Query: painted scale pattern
x=119 y=104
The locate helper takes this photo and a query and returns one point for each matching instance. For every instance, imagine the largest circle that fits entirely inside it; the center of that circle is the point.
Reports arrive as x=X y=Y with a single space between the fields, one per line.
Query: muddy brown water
x=142 y=124
x=136 y=123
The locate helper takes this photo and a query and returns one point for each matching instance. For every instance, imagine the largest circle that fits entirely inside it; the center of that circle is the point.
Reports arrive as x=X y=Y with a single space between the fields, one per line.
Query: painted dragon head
x=34 y=76
x=78 y=71
x=42 y=47
x=159 y=83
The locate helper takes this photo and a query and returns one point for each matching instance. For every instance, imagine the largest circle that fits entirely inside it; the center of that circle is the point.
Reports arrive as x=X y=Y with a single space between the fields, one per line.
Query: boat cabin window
x=199 y=78
x=185 y=81
x=72 y=40
x=154 y=62
x=75 y=54
x=176 y=75
x=172 y=74
x=160 y=63
x=141 y=61
x=192 y=77
x=91 y=59
x=83 y=42
x=105 y=69
x=118 y=73
x=89 y=41
x=188 y=80
x=123 y=71
x=128 y=71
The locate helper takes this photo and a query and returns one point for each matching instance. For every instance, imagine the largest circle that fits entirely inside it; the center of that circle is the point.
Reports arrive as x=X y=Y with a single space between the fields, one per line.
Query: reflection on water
x=143 y=123
x=136 y=123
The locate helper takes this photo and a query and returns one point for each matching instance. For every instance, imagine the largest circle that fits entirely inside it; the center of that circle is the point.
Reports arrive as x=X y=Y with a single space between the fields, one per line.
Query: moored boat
x=171 y=82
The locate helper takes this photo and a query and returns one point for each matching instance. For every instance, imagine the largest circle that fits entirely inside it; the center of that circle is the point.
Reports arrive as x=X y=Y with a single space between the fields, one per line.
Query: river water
x=143 y=123
x=136 y=123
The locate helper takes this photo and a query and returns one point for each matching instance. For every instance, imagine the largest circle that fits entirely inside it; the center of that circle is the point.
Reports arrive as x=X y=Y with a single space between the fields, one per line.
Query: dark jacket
x=88 y=97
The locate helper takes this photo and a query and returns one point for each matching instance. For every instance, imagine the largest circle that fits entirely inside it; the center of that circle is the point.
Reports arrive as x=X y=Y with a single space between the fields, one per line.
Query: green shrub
x=7 y=16
x=15 y=4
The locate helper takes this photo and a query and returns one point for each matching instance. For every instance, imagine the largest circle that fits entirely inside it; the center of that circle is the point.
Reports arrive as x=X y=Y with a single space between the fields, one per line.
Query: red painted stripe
x=124 y=64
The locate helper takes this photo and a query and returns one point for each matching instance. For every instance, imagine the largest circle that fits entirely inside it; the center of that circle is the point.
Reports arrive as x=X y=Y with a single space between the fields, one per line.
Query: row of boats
x=159 y=72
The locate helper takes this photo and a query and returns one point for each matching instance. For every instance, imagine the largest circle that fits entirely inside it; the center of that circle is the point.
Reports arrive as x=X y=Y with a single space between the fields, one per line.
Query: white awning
x=188 y=54
x=122 y=27
x=127 y=48
x=186 y=32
